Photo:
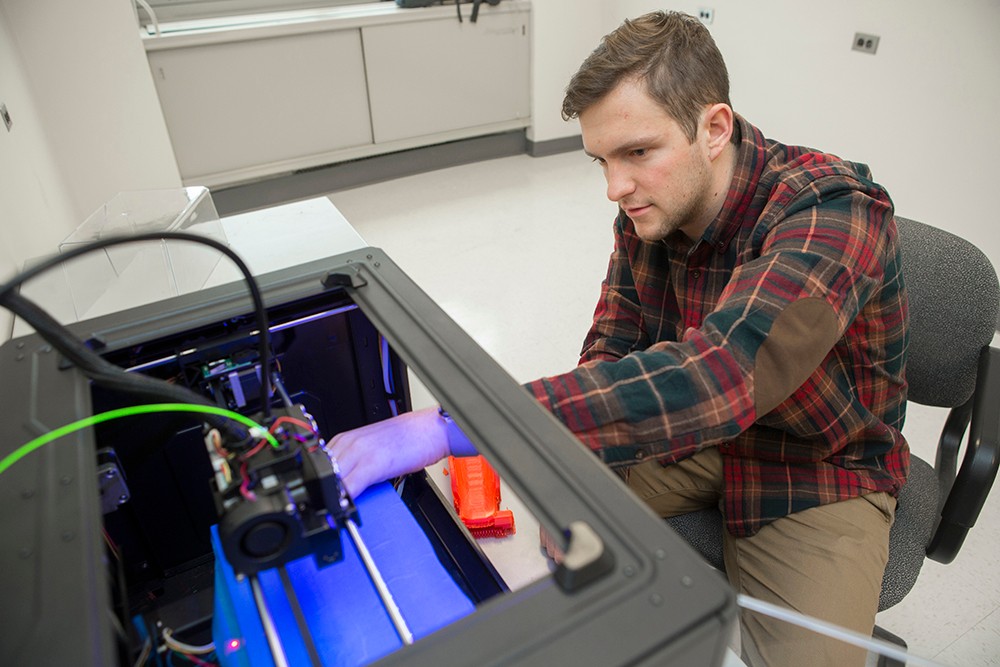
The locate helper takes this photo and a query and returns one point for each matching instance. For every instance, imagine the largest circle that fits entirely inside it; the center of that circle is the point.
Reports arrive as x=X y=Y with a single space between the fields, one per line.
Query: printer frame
x=629 y=591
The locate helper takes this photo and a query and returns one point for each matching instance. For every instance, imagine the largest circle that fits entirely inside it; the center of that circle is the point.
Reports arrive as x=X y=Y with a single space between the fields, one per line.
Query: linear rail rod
x=273 y=641
x=383 y=591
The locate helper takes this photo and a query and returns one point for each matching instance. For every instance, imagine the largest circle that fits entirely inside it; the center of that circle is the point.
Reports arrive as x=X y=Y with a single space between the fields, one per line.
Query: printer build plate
x=341 y=620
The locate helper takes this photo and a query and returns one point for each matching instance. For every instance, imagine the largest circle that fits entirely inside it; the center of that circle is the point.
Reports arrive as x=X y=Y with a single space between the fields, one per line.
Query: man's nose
x=620 y=183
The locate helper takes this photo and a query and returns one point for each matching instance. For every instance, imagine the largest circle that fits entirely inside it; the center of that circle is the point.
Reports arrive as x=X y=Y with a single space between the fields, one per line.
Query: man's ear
x=718 y=122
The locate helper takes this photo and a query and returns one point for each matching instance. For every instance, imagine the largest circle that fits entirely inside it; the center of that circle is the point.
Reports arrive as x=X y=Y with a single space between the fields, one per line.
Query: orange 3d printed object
x=475 y=488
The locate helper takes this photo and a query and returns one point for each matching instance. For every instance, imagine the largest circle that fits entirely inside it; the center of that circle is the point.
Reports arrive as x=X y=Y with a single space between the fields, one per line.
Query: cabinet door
x=433 y=76
x=239 y=105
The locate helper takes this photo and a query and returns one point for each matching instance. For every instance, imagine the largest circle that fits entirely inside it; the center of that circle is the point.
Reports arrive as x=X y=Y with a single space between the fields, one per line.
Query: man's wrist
x=458 y=443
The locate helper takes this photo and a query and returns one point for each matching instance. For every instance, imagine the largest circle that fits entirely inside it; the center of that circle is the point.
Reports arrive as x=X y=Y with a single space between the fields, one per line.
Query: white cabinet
x=256 y=100
x=436 y=76
x=239 y=105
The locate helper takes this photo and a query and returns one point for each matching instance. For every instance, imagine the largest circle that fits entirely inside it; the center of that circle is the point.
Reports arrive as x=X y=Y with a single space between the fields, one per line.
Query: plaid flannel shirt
x=779 y=337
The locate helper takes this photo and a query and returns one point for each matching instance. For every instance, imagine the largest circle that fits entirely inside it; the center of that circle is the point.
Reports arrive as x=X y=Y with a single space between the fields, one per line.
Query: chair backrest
x=954 y=301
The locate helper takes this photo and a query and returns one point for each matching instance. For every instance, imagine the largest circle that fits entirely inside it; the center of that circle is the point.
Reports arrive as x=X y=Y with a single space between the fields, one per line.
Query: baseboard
x=320 y=181
x=555 y=146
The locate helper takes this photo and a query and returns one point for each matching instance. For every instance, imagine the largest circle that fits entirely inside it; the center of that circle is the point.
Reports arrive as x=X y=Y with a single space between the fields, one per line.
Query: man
x=748 y=346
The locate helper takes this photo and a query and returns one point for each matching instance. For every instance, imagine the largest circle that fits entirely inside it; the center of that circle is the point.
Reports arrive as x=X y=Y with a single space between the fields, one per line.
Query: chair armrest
x=979 y=468
x=950 y=444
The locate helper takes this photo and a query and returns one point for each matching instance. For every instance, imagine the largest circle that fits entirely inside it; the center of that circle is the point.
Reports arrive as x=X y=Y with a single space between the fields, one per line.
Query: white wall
x=87 y=100
x=34 y=211
x=86 y=121
x=564 y=32
x=921 y=112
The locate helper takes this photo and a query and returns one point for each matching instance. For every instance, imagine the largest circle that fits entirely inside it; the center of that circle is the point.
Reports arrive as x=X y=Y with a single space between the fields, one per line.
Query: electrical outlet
x=865 y=43
x=706 y=15
x=6 y=116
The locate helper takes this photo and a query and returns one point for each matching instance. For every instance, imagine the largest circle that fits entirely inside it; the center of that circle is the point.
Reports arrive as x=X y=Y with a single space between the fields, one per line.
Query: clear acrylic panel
x=816 y=642
x=147 y=271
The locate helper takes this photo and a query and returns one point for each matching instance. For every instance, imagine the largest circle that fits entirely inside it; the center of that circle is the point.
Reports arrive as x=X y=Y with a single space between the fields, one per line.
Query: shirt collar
x=750 y=160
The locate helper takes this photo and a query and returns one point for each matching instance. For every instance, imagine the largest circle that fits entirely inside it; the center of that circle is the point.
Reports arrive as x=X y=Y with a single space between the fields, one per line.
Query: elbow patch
x=799 y=339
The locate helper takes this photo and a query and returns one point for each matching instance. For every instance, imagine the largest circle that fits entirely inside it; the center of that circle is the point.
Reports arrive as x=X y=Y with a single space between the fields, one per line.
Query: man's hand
x=549 y=546
x=389 y=448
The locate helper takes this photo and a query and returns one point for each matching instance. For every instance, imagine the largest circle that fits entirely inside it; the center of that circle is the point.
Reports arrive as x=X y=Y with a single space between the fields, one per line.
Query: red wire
x=244 y=486
x=277 y=422
x=300 y=423
x=259 y=446
x=195 y=659
x=217 y=443
x=293 y=420
x=111 y=544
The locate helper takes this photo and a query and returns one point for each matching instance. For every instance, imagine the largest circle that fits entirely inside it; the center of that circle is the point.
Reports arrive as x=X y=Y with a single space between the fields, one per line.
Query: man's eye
x=639 y=152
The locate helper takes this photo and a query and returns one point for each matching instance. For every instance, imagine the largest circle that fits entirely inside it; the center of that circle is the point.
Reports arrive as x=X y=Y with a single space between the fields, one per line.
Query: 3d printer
x=157 y=528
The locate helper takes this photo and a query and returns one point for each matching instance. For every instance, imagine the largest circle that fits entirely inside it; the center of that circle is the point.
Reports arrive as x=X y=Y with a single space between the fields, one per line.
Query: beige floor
x=514 y=250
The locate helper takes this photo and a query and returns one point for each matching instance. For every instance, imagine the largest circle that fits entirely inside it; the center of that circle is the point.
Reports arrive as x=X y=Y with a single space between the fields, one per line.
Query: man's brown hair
x=672 y=53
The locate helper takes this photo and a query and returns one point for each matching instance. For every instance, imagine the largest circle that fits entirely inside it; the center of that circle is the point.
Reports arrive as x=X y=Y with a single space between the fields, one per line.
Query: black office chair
x=954 y=305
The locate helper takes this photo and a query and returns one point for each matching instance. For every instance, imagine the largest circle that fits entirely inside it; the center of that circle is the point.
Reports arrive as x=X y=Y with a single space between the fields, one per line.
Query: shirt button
x=721 y=245
x=695 y=273
x=640 y=454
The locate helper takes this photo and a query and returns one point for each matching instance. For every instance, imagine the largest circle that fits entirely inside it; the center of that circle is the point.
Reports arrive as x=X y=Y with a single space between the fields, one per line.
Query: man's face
x=657 y=177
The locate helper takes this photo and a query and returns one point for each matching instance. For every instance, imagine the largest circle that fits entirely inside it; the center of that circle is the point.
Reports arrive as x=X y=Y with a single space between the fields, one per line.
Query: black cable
x=105 y=374
x=7 y=291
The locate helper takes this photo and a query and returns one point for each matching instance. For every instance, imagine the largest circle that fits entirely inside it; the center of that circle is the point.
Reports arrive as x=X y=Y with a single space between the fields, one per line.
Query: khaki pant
x=825 y=562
